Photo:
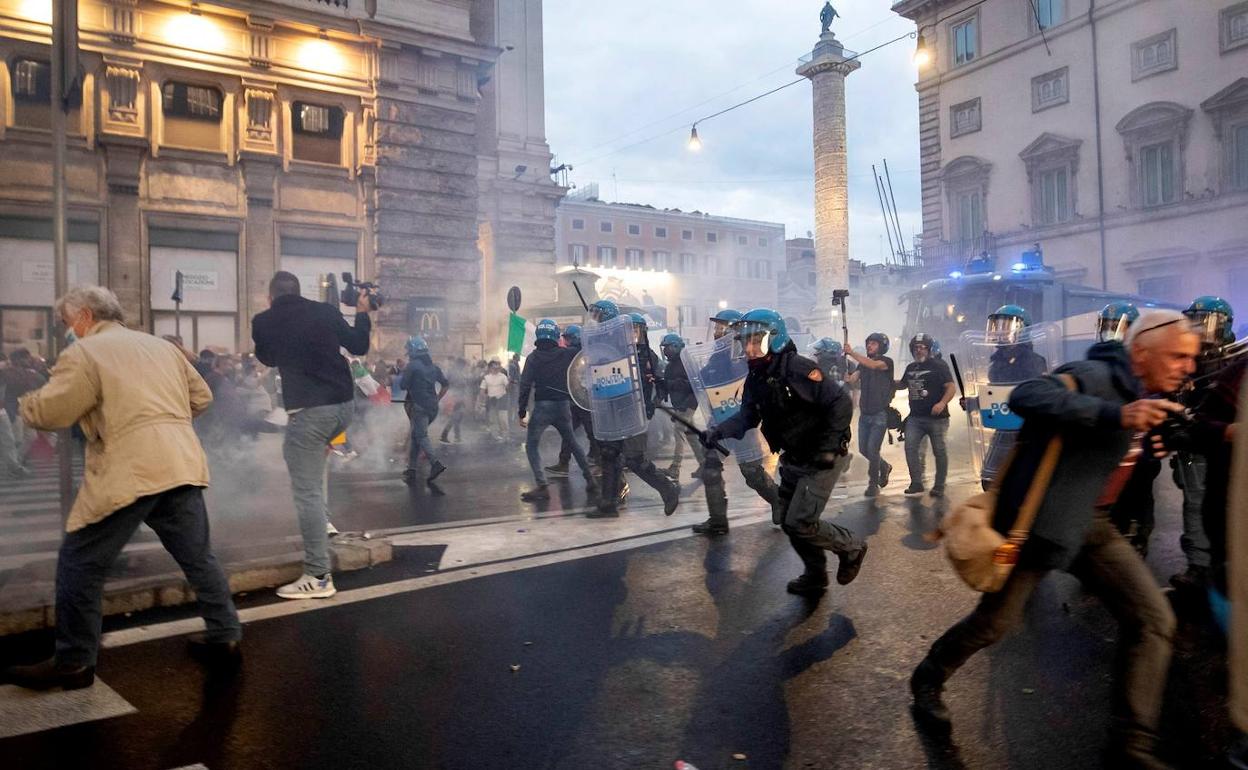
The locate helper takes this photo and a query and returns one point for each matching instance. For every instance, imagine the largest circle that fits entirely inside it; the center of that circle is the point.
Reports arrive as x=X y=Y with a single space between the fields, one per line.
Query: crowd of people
x=1069 y=480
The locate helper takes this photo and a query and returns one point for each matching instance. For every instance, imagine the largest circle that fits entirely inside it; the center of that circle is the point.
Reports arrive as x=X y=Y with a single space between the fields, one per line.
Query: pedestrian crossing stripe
x=25 y=711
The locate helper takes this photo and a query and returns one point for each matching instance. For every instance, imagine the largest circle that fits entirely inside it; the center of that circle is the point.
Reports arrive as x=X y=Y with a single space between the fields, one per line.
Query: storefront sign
x=426 y=317
x=43 y=273
x=196 y=280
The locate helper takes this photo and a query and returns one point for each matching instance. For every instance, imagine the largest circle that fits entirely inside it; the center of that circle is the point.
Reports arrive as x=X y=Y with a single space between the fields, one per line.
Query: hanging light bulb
x=695 y=144
x=922 y=54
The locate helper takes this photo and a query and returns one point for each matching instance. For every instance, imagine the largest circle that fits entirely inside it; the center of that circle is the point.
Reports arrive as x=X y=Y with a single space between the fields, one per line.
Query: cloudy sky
x=625 y=79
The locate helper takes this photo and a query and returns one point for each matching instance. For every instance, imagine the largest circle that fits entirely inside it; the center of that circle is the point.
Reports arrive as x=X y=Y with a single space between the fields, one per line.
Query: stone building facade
x=230 y=139
x=1117 y=139
x=681 y=266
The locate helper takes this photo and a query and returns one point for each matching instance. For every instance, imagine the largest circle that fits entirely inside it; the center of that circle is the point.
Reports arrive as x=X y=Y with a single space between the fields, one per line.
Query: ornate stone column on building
x=827 y=69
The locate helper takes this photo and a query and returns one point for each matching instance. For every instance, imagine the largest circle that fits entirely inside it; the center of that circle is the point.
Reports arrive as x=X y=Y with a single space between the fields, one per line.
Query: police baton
x=694 y=430
x=957 y=372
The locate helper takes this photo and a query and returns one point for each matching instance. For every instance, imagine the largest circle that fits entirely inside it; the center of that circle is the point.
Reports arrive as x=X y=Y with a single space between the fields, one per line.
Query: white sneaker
x=309 y=587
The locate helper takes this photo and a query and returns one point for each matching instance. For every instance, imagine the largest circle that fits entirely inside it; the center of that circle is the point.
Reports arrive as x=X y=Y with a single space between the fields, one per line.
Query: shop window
x=316 y=133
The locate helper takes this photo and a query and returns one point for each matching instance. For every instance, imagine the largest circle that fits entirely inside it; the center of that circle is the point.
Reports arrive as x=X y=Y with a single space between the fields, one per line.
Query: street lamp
x=723 y=304
x=695 y=144
x=922 y=53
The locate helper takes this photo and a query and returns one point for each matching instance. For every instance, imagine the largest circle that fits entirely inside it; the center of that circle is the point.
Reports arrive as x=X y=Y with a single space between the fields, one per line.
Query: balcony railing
x=948 y=255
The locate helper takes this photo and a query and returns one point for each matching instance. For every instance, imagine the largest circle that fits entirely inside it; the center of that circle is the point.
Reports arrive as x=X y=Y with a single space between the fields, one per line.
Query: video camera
x=1176 y=432
x=351 y=288
x=838 y=296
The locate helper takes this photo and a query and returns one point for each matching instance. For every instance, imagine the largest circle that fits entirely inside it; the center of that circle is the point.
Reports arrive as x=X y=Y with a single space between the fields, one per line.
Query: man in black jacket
x=805 y=416
x=1100 y=424
x=302 y=339
x=546 y=375
x=680 y=396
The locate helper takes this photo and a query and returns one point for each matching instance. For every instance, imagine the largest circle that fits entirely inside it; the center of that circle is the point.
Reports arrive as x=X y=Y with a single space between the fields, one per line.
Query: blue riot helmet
x=640 y=326
x=547 y=330
x=763 y=326
x=416 y=346
x=1007 y=324
x=925 y=340
x=722 y=321
x=827 y=347
x=1114 y=320
x=1213 y=319
x=881 y=339
x=671 y=345
x=603 y=310
x=572 y=335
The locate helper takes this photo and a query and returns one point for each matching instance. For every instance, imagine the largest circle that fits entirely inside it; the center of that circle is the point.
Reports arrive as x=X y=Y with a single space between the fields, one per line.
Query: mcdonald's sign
x=426 y=317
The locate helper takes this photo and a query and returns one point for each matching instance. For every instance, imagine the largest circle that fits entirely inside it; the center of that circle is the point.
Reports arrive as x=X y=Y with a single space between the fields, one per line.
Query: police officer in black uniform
x=805 y=416
x=580 y=417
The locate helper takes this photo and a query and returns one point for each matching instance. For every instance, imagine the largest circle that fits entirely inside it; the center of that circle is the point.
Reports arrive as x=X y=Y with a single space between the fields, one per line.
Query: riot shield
x=990 y=371
x=613 y=380
x=718 y=381
x=577 y=382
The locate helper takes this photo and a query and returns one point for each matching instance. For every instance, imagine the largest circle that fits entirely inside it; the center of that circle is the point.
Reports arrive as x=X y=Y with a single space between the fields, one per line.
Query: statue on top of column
x=827 y=15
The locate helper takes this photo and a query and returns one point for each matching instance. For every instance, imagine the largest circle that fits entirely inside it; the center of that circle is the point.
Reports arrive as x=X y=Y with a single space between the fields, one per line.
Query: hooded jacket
x=418 y=381
x=545 y=374
x=676 y=382
x=1089 y=420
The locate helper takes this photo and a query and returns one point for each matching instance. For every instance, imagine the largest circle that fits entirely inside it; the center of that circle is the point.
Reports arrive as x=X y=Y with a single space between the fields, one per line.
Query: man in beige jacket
x=133 y=395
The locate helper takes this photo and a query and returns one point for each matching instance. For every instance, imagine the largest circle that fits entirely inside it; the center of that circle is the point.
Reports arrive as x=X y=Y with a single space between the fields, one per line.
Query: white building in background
x=1117 y=139
x=681 y=266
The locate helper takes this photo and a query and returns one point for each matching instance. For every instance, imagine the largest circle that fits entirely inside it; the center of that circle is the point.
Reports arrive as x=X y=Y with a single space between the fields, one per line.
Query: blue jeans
x=306 y=447
x=1190 y=470
x=180 y=521
x=556 y=414
x=871 y=430
x=420 y=439
x=933 y=428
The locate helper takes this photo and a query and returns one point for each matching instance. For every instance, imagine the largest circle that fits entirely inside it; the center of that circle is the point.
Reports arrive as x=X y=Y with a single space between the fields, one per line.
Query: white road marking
x=25 y=711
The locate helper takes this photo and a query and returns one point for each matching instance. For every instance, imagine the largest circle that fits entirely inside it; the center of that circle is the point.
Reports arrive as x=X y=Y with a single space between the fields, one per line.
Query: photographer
x=302 y=339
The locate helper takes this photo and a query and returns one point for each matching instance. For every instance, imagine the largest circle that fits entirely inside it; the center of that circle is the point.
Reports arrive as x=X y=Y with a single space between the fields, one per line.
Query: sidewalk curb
x=349 y=553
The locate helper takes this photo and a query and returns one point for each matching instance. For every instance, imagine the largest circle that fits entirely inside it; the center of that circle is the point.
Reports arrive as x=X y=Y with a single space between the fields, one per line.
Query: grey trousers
x=306 y=446
x=1110 y=568
x=804 y=493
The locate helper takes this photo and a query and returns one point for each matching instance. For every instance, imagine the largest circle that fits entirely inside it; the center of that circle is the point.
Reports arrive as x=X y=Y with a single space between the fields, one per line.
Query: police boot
x=807 y=584
x=537 y=494
x=926 y=684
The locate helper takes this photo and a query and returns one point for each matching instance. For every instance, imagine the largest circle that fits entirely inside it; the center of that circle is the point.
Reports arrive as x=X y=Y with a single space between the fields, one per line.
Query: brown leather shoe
x=49 y=674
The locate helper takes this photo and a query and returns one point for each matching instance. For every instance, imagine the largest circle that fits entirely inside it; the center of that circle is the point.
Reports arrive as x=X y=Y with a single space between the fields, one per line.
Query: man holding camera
x=302 y=339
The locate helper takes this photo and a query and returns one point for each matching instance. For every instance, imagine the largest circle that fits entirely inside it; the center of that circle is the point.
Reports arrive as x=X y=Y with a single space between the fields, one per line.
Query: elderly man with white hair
x=1100 y=410
x=133 y=395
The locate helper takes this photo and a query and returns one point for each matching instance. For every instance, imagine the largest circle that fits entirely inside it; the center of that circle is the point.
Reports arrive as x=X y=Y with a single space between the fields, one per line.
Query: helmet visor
x=1112 y=329
x=1003 y=329
x=716 y=329
x=1210 y=326
x=751 y=339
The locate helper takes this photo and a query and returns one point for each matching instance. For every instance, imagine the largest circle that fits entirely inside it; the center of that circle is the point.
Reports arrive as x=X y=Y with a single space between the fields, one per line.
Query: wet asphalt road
x=633 y=658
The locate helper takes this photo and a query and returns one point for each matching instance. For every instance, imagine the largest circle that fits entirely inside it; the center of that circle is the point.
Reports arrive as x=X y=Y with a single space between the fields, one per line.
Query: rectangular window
x=712 y=237
x=578 y=224
x=964 y=118
x=662 y=260
x=686 y=235
x=634 y=229
x=578 y=254
x=688 y=264
x=317 y=130
x=604 y=227
x=1240 y=152
x=1154 y=55
x=1157 y=174
x=762 y=242
x=742 y=240
x=1054 y=196
x=606 y=256
x=1048 y=13
x=1167 y=288
x=1050 y=89
x=32 y=81
x=710 y=265
x=743 y=268
x=688 y=315
x=181 y=100
x=632 y=258
x=660 y=232
x=970 y=215
x=1233 y=26
x=965 y=41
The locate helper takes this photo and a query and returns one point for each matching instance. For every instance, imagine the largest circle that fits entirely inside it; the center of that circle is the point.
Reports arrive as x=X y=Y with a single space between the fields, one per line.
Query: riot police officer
x=1114 y=320
x=581 y=418
x=756 y=476
x=421 y=404
x=806 y=418
x=830 y=355
x=680 y=395
x=631 y=452
x=546 y=375
x=1213 y=319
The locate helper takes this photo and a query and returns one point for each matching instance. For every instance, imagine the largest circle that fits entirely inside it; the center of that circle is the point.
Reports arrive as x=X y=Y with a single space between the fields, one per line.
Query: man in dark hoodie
x=424 y=385
x=1101 y=422
x=680 y=396
x=546 y=375
x=805 y=416
x=580 y=417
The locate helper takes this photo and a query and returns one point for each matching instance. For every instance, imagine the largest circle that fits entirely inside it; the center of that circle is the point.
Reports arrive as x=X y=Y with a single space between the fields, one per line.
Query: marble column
x=828 y=66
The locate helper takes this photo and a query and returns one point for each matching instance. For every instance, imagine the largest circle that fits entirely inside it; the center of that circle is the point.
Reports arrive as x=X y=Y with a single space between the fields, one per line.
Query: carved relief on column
x=122 y=94
x=121 y=21
x=260 y=34
x=368 y=130
x=259 y=118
